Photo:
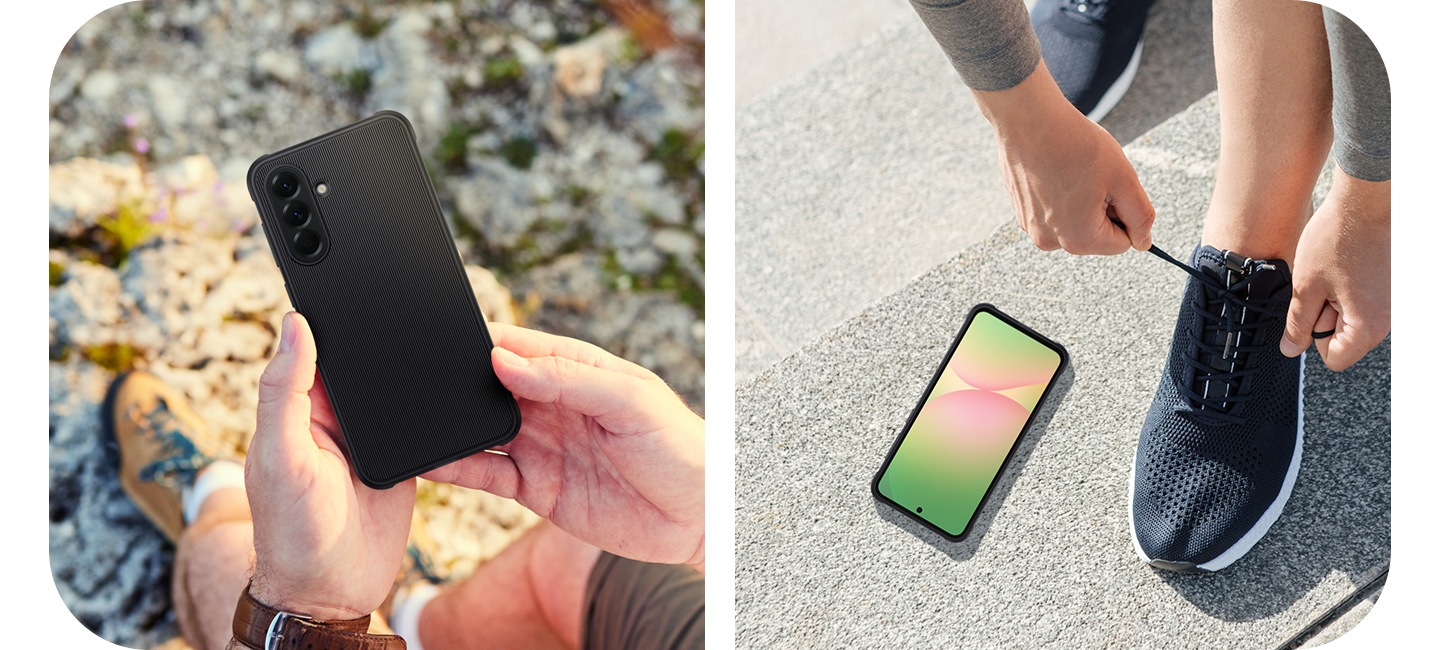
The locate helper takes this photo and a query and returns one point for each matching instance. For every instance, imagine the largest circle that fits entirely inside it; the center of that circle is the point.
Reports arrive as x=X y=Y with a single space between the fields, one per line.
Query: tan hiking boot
x=157 y=435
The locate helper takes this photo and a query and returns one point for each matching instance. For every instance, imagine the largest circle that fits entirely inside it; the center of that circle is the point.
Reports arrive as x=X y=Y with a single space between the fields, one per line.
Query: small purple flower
x=159 y=216
x=142 y=146
x=131 y=121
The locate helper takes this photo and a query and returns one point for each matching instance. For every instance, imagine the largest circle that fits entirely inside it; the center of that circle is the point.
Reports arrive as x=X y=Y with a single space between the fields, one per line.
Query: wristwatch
x=261 y=627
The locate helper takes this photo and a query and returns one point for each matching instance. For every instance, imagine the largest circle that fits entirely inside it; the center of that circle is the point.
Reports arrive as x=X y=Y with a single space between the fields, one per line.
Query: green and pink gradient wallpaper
x=969 y=423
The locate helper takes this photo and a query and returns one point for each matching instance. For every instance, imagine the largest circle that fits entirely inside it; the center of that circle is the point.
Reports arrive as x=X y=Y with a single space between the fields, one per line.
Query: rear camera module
x=296 y=213
x=307 y=243
x=285 y=184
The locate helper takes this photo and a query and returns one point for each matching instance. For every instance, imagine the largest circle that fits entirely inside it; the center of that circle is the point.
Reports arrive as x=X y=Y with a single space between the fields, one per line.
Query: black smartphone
x=368 y=259
x=968 y=423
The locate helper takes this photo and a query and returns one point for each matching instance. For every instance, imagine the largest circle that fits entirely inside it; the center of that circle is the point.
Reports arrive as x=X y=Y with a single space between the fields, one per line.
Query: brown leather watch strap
x=253 y=621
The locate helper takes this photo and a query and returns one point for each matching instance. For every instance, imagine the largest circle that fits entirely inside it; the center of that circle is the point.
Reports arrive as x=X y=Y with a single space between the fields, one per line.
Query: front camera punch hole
x=302 y=228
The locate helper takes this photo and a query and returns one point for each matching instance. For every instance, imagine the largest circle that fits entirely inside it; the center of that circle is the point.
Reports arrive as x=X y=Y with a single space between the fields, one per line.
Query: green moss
x=679 y=153
x=358 y=82
x=452 y=150
x=630 y=50
x=368 y=24
x=519 y=151
x=57 y=273
x=115 y=357
x=125 y=229
x=465 y=230
x=672 y=277
x=503 y=71
x=578 y=195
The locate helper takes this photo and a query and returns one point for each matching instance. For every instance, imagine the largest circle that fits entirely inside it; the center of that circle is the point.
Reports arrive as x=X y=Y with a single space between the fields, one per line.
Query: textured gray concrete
x=820 y=564
x=1344 y=623
x=776 y=41
x=856 y=177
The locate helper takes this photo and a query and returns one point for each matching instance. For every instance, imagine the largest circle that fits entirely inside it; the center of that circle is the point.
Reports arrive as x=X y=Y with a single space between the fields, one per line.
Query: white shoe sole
x=1119 y=88
x=1272 y=513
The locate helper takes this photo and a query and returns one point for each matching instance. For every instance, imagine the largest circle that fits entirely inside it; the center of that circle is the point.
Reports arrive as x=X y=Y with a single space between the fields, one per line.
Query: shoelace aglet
x=1229 y=345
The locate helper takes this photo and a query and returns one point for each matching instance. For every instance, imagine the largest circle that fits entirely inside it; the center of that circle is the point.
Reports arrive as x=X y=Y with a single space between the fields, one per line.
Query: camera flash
x=321 y=188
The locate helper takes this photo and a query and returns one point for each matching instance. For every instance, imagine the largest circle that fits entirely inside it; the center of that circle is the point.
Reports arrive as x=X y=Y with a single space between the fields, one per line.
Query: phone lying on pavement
x=969 y=421
x=404 y=353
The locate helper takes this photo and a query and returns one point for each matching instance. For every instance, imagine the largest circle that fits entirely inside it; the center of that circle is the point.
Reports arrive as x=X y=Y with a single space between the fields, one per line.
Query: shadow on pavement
x=1338 y=517
x=963 y=550
x=1177 y=68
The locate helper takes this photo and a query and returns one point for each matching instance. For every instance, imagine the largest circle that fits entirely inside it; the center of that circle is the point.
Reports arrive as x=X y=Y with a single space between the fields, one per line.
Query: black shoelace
x=1231 y=312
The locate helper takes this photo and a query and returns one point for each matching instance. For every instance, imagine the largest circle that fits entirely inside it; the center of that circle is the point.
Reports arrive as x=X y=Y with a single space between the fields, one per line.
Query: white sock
x=405 y=612
x=217 y=475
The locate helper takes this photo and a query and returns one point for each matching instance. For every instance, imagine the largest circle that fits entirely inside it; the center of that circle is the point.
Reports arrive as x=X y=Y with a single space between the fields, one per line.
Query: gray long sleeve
x=990 y=42
x=1361 y=105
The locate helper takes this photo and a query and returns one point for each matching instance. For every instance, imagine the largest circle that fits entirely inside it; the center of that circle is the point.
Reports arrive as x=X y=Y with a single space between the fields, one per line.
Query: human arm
x=1070 y=184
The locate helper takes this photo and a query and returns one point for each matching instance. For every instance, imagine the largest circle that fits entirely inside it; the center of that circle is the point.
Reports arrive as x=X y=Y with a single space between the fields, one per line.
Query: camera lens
x=284 y=184
x=296 y=213
x=307 y=242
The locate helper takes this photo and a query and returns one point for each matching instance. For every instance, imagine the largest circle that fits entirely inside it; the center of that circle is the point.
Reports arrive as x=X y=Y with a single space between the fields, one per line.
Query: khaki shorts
x=639 y=605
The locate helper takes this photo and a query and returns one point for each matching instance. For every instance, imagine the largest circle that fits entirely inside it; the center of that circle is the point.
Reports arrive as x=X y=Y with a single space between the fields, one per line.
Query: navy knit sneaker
x=1220 y=448
x=1092 y=48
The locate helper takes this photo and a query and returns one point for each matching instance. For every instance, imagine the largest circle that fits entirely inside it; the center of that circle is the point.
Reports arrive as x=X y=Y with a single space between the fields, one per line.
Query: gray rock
x=100 y=86
x=405 y=80
x=280 y=66
x=676 y=242
x=338 y=50
x=171 y=104
x=496 y=199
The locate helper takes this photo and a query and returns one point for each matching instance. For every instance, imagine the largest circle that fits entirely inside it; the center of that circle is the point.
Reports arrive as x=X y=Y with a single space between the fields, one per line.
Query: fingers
x=491 y=472
x=283 y=416
x=1101 y=233
x=1300 y=320
x=1132 y=207
x=579 y=387
x=531 y=343
x=1353 y=338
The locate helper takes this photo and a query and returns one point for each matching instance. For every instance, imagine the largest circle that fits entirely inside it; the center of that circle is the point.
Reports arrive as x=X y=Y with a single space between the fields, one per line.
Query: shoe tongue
x=1229 y=270
x=1212 y=263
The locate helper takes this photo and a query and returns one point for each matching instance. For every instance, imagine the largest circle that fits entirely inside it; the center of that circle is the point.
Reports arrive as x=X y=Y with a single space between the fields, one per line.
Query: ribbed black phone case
x=404 y=352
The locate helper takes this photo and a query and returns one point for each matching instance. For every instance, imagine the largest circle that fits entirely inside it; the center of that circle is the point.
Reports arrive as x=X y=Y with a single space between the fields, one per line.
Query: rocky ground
x=566 y=143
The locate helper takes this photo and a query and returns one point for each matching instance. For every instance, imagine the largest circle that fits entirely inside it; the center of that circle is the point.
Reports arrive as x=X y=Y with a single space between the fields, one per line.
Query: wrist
x=278 y=595
x=1365 y=203
x=1028 y=107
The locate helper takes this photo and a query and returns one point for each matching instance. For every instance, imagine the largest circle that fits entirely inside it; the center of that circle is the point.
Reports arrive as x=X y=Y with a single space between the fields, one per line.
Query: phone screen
x=970 y=420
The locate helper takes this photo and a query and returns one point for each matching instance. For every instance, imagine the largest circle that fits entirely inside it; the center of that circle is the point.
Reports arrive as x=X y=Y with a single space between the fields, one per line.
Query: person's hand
x=606 y=451
x=1070 y=185
x=326 y=546
x=1342 y=275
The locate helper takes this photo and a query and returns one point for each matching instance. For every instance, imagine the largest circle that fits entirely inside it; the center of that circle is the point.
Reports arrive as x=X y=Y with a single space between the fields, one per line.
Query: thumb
x=283 y=416
x=1304 y=310
x=1132 y=207
x=574 y=386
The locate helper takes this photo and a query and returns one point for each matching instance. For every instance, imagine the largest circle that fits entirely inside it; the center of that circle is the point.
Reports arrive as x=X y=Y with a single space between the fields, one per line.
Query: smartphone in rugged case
x=404 y=353
x=969 y=422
